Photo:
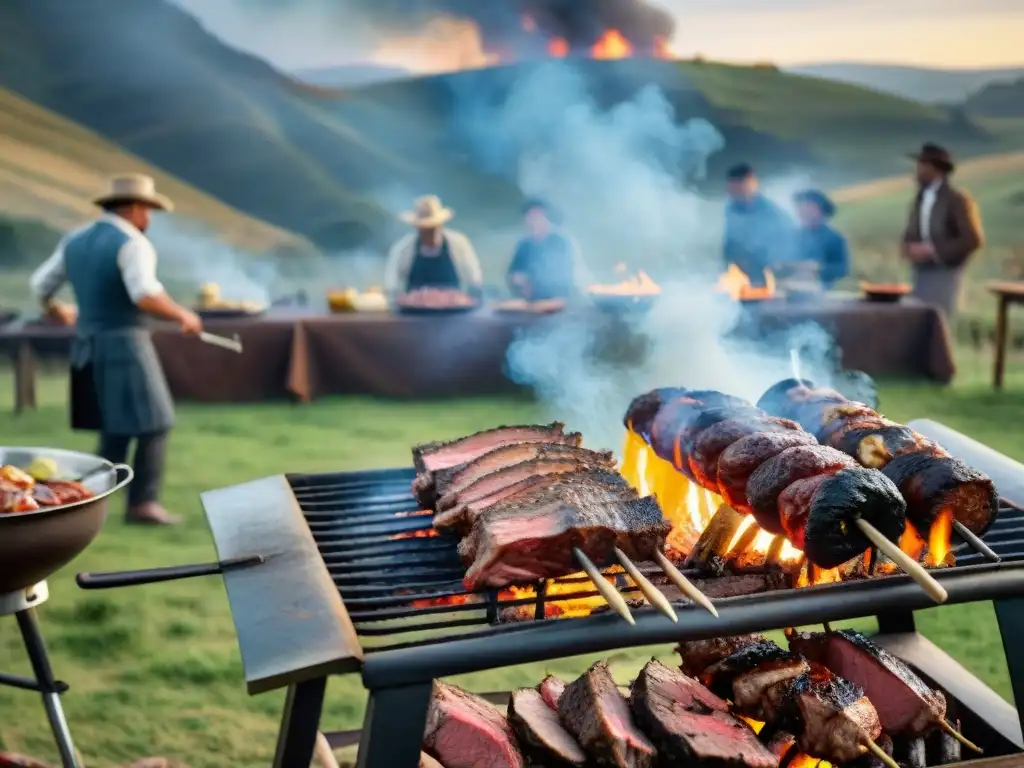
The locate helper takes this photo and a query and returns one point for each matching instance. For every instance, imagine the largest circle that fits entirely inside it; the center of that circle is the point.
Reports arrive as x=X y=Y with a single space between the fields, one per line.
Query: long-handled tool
x=233 y=344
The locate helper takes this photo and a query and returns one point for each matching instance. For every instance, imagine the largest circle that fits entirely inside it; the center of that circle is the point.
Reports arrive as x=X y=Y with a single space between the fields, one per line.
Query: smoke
x=623 y=178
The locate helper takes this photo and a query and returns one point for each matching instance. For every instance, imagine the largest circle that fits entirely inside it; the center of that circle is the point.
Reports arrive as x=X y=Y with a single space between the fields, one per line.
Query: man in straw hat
x=117 y=385
x=944 y=230
x=432 y=256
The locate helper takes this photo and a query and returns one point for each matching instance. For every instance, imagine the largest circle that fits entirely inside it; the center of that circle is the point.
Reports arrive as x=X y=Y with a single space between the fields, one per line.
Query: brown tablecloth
x=398 y=356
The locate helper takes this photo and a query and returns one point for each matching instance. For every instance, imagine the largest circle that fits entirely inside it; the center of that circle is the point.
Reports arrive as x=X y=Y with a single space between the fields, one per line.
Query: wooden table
x=1007 y=293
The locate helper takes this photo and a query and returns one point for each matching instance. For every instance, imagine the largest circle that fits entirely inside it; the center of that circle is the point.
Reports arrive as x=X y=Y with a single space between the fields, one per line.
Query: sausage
x=742 y=458
x=644 y=408
x=674 y=420
x=709 y=417
x=875 y=446
x=713 y=441
x=933 y=483
x=776 y=474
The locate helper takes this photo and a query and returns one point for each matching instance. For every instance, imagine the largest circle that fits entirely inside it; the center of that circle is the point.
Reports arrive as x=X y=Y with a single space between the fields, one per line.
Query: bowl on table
x=885 y=293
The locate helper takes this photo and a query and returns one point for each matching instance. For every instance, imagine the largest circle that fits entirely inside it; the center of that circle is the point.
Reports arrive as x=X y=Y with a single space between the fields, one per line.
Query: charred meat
x=698 y=655
x=906 y=706
x=430 y=457
x=931 y=484
x=542 y=738
x=595 y=712
x=739 y=461
x=836 y=716
x=690 y=725
x=465 y=731
x=713 y=441
x=643 y=408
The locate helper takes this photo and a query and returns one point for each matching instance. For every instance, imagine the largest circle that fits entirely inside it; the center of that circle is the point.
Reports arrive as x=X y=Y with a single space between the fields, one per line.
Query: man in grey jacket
x=117 y=385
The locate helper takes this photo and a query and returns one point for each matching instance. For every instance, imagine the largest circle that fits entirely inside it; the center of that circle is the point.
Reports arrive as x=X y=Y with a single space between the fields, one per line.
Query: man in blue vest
x=117 y=385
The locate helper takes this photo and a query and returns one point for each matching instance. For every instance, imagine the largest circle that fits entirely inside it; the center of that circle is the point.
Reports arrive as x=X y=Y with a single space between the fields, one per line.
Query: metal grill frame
x=294 y=630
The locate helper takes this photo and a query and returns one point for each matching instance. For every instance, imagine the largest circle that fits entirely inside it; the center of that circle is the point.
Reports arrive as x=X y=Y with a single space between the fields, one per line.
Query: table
x=379 y=354
x=1006 y=293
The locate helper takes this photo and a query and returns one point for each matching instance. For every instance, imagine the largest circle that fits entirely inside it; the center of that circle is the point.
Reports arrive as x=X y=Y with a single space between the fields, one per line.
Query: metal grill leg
x=393 y=727
x=1010 y=615
x=300 y=722
x=48 y=686
x=896 y=623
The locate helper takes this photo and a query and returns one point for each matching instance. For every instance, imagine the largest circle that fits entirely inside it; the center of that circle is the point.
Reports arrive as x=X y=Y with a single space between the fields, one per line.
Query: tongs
x=233 y=344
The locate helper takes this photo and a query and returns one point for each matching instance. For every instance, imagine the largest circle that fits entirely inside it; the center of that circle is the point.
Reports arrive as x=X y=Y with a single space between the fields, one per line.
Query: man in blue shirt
x=758 y=234
x=819 y=245
x=546 y=263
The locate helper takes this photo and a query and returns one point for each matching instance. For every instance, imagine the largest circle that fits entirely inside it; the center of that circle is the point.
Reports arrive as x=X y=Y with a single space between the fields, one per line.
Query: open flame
x=799 y=761
x=640 y=284
x=735 y=283
x=612 y=45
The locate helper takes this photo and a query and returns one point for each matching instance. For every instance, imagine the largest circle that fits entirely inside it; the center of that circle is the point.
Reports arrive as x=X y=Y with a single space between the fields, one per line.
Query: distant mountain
x=998 y=100
x=933 y=86
x=351 y=75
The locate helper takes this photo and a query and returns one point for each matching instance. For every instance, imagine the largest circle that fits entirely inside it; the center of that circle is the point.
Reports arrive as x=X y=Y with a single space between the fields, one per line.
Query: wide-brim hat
x=134 y=188
x=936 y=156
x=825 y=203
x=428 y=212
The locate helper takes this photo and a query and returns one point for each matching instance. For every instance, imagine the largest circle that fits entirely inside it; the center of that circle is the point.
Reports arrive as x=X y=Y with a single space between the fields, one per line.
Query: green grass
x=155 y=670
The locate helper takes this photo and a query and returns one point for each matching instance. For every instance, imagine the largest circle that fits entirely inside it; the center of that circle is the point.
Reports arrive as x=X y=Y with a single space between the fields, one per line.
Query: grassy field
x=155 y=670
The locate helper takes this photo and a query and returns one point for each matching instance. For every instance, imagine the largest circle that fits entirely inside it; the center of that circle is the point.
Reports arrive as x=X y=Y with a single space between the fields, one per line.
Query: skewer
x=608 y=592
x=649 y=591
x=974 y=542
x=323 y=752
x=880 y=753
x=908 y=565
x=959 y=736
x=690 y=591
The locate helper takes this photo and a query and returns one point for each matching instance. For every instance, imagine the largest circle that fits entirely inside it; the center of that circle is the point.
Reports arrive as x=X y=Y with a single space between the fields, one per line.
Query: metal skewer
x=906 y=563
x=608 y=592
x=974 y=542
x=233 y=344
x=649 y=591
x=677 y=578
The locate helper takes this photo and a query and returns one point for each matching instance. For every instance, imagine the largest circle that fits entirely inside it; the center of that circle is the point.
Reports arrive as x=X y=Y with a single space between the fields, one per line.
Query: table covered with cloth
x=387 y=355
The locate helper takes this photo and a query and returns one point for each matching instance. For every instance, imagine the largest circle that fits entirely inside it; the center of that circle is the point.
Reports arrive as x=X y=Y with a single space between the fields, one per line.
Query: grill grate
x=391 y=586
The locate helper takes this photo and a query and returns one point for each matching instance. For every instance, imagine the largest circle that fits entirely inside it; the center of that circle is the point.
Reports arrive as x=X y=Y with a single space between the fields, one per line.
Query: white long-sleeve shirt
x=928 y=197
x=136 y=260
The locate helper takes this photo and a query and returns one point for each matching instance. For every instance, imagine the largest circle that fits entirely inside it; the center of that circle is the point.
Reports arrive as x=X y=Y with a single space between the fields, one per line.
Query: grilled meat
x=465 y=731
x=713 y=441
x=673 y=422
x=542 y=738
x=875 y=446
x=642 y=409
x=776 y=474
x=522 y=542
x=906 y=706
x=690 y=725
x=594 y=711
x=836 y=716
x=430 y=457
x=551 y=689
x=739 y=461
x=706 y=418
x=780 y=743
x=698 y=655
x=931 y=484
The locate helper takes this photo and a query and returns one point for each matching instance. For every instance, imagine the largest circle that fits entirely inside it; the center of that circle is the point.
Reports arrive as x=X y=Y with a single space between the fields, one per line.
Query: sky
x=955 y=34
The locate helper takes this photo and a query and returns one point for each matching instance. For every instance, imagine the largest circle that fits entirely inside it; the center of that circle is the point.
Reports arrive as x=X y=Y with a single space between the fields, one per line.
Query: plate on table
x=426 y=311
x=524 y=307
x=885 y=293
x=228 y=313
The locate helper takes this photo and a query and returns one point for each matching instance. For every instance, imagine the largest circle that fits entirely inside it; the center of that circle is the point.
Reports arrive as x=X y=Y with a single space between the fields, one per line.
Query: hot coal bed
x=349 y=580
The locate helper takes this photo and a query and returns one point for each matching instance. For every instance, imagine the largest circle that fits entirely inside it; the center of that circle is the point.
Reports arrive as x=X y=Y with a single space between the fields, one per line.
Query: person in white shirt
x=118 y=387
x=943 y=231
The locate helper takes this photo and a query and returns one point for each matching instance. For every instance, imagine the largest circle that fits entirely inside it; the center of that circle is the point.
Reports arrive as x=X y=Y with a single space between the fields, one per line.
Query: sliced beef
x=456 y=479
x=836 y=716
x=698 y=655
x=739 y=461
x=551 y=689
x=773 y=476
x=906 y=706
x=709 y=444
x=931 y=484
x=539 y=541
x=465 y=731
x=558 y=459
x=690 y=725
x=430 y=457
x=595 y=712
x=459 y=518
x=542 y=738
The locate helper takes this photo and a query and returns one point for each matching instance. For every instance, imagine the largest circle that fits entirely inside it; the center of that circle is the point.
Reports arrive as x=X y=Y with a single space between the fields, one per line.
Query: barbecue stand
x=291 y=547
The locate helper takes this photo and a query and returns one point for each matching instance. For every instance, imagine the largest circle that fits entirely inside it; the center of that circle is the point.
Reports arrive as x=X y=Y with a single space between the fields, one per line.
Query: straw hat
x=428 y=213
x=136 y=188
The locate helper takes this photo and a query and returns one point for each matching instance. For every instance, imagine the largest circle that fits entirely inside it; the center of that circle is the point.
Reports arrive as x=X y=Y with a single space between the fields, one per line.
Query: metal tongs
x=233 y=344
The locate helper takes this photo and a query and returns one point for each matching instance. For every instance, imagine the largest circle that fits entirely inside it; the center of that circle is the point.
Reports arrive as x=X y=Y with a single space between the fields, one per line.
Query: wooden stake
x=959 y=736
x=649 y=591
x=323 y=752
x=606 y=590
x=909 y=566
x=880 y=753
x=688 y=589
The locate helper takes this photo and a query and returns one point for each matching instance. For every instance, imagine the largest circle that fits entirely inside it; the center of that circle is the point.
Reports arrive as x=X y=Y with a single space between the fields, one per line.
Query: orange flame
x=940 y=539
x=423 y=533
x=640 y=284
x=735 y=283
x=612 y=45
x=662 y=50
x=558 y=47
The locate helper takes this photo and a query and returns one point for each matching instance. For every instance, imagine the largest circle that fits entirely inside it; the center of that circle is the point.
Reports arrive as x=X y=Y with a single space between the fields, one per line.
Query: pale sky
x=937 y=33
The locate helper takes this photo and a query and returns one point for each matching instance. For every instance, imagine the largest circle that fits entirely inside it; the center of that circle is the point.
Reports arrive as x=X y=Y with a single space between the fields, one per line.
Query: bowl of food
x=885 y=293
x=341 y=300
x=436 y=301
x=213 y=306
x=52 y=505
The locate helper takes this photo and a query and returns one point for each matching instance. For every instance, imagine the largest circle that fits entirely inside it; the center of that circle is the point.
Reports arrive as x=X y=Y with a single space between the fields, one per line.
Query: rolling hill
x=335 y=165
x=934 y=86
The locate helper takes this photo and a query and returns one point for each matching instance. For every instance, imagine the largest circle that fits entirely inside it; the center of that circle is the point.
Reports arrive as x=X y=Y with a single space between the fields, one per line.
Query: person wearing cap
x=433 y=256
x=943 y=231
x=820 y=248
x=758 y=234
x=547 y=262
x=117 y=384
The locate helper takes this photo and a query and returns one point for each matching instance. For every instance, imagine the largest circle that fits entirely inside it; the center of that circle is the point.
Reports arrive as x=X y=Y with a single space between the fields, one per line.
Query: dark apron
x=118 y=386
